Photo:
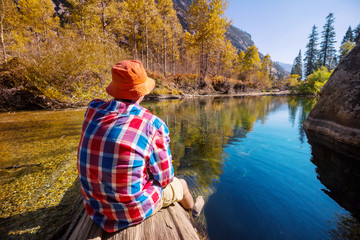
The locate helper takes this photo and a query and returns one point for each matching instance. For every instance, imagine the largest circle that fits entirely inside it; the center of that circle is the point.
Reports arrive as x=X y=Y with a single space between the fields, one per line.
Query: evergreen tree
x=327 y=48
x=297 y=67
x=357 y=34
x=348 y=36
x=311 y=54
x=346 y=48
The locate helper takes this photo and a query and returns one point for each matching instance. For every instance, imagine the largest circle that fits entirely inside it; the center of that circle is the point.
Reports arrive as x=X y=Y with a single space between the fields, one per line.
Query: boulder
x=337 y=112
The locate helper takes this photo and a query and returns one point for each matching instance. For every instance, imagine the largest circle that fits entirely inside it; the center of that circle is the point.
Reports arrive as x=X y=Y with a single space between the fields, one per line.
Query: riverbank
x=18 y=104
x=244 y=94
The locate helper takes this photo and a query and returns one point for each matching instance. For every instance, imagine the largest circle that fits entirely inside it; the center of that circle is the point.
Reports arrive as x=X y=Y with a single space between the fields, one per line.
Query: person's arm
x=160 y=158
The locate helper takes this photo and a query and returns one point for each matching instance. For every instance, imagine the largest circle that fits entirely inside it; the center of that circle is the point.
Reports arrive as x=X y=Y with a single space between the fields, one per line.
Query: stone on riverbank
x=337 y=113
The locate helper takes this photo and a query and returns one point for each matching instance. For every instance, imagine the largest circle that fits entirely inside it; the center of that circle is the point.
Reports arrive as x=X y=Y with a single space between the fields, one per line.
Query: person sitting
x=124 y=161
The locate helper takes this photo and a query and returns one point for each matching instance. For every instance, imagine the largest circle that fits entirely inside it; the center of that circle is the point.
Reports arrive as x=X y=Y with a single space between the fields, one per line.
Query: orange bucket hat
x=129 y=80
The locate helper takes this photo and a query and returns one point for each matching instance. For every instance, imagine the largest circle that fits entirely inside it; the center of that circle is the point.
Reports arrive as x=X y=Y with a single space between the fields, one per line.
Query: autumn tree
x=265 y=74
x=266 y=64
x=241 y=65
x=228 y=57
x=38 y=17
x=207 y=24
x=134 y=9
x=327 y=50
x=9 y=27
x=251 y=59
x=82 y=17
x=312 y=53
x=171 y=31
x=251 y=66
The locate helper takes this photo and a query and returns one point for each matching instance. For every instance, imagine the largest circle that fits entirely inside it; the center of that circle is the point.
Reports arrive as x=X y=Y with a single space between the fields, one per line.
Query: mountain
x=285 y=66
x=239 y=38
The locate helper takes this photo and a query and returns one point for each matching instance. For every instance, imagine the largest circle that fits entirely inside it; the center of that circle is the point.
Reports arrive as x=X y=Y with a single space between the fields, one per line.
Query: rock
x=337 y=112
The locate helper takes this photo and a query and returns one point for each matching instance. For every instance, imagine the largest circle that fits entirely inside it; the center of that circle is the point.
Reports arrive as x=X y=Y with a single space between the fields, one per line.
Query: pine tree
x=327 y=50
x=297 y=67
x=357 y=34
x=311 y=54
x=348 y=36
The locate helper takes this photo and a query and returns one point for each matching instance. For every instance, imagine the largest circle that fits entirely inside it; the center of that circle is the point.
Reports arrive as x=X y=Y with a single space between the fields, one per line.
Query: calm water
x=249 y=157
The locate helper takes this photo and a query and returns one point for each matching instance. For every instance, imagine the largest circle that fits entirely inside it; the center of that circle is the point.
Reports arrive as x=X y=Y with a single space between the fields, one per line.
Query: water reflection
x=214 y=142
x=303 y=106
x=201 y=128
x=338 y=170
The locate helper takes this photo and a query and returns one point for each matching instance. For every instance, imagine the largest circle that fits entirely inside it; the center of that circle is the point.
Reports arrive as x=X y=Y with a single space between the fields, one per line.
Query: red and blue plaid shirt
x=124 y=161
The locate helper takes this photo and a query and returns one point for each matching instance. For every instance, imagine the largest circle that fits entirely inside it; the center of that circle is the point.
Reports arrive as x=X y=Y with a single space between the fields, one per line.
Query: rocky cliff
x=337 y=113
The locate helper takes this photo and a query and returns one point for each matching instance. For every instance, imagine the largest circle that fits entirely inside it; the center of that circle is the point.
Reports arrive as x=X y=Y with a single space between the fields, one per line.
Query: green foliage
x=345 y=48
x=314 y=82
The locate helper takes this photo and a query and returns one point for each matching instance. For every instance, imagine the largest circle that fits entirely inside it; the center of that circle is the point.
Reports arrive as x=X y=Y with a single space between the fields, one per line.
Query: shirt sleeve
x=160 y=158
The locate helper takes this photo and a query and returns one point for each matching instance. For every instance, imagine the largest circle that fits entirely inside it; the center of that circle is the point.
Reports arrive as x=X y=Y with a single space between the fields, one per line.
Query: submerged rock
x=337 y=113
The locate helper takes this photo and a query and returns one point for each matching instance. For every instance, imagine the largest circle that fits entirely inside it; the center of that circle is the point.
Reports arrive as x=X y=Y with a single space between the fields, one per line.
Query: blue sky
x=282 y=27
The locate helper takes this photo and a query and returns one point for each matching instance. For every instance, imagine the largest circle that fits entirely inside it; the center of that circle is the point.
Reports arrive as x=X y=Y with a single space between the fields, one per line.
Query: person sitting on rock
x=124 y=161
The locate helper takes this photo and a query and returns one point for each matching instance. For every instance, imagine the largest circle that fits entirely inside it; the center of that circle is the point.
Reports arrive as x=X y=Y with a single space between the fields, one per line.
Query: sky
x=281 y=27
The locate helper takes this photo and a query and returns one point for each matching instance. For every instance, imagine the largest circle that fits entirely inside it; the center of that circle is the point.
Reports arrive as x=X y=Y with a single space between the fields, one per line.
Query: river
x=248 y=156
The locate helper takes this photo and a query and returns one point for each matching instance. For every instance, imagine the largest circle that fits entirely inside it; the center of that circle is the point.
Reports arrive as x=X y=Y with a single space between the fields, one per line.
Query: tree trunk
x=103 y=19
x=173 y=55
x=134 y=39
x=2 y=31
x=164 y=38
x=146 y=43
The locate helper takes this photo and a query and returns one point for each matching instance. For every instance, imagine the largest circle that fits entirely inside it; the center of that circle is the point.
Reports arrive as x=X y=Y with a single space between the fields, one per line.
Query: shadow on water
x=337 y=167
x=43 y=223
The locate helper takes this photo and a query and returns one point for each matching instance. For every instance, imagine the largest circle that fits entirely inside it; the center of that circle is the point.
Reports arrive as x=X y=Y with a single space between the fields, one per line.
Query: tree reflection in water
x=201 y=128
x=338 y=170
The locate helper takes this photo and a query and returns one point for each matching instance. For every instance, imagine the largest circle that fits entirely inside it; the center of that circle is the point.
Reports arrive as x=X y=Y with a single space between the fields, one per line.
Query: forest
x=319 y=62
x=54 y=58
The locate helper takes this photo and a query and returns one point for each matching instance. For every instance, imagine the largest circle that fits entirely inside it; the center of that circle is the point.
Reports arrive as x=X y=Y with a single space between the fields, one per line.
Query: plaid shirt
x=124 y=161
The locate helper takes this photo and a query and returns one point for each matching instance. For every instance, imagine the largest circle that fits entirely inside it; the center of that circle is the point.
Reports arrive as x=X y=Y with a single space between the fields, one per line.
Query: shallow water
x=248 y=156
